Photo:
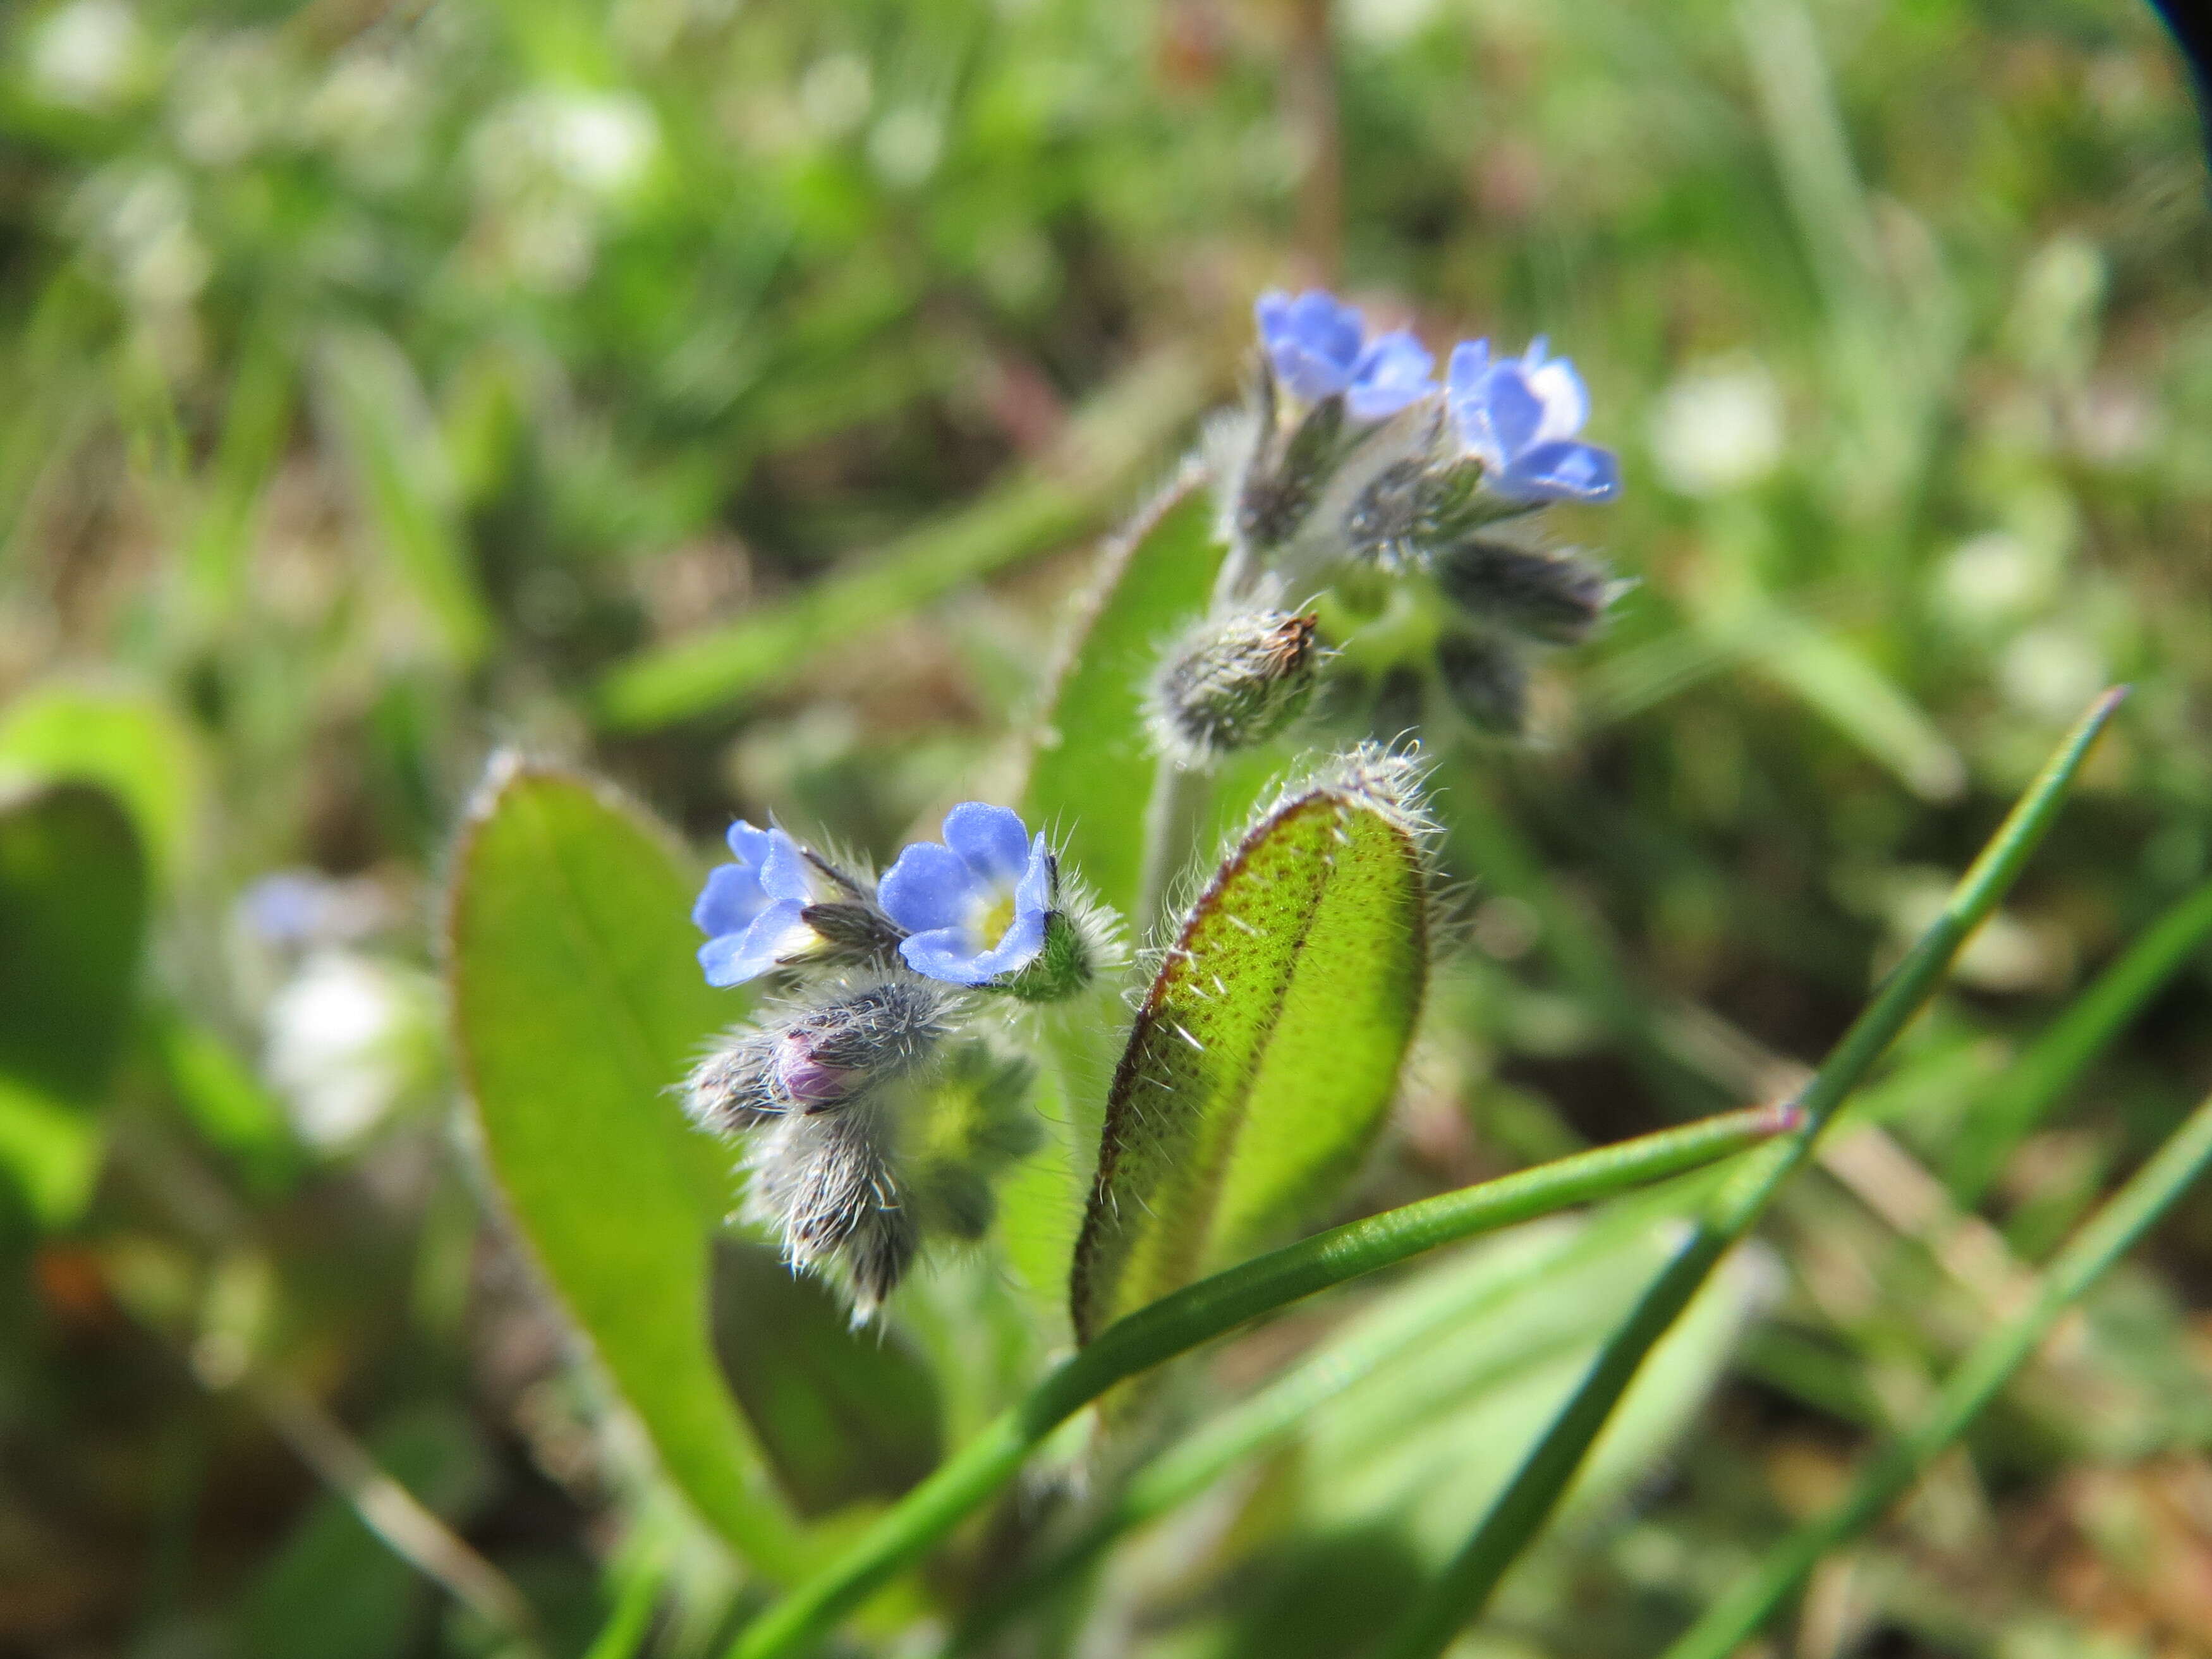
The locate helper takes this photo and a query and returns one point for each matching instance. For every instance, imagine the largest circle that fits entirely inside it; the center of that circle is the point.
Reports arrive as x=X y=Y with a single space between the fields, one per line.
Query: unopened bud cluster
x=1234 y=681
x=1350 y=465
x=873 y=1104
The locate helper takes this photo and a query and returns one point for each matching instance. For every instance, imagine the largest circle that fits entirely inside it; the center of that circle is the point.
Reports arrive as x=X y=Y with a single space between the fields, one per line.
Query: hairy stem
x=1174 y=820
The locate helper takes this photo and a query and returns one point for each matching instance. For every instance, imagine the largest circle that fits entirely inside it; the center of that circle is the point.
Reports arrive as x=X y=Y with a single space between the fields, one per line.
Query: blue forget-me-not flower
x=1519 y=416
x=840 y=1085
x=1353 y=486
x=753 y=911
x=976 y=907
x=1319 y=347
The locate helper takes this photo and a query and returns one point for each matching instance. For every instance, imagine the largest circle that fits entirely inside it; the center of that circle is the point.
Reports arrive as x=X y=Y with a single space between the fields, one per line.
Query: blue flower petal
x=785 y=875
x=1467 y=392
x=929 y=888
x=1034 y=892
x=943 y=953
x=1327 y=327
x=1565 y=469
x=1515 y=410
x=1392 y=372
x=1313 y=341
x=734 y=958
x=990 y=838
x=749 y=845
x=730 y=899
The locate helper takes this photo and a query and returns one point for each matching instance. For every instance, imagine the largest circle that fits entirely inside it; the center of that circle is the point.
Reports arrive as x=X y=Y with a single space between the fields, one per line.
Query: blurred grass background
x=728 y=392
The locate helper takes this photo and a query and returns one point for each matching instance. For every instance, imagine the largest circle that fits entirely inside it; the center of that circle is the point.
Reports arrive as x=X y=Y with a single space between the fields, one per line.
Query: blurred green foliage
x=726 y=395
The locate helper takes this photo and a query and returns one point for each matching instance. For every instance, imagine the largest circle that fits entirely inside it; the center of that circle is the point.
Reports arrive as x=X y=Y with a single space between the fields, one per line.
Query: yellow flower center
x=993 y=918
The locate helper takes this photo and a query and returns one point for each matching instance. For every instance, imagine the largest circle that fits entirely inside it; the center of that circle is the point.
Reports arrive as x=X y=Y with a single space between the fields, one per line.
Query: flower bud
x=823 y=1182
x=1415 y=507
x=1286 y=472
x=1556 y=595
x=816 y=1059
x=1486 y=680
x=1235 y=685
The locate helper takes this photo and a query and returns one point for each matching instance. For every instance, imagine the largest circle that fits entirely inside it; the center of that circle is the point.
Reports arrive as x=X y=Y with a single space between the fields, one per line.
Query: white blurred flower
x=546 y=165
x=907 y=145
x=368 y=110
x=1387 y=23
x=1718 y=427
x=1993 y=579
x=345 y=1039
x=603 y=144
x=227 y=97
x=596 y=144
x=2114 y=424
x=82 y=55
x=2052 y=671
x=834 y=92
x=140 y=220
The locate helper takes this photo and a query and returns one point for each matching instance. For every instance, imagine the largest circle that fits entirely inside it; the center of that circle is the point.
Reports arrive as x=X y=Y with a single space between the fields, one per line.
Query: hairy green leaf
x=575 y=1005
x=842 y=1414
x=72 y=917
x=1268 y=1049
x=1092 y=766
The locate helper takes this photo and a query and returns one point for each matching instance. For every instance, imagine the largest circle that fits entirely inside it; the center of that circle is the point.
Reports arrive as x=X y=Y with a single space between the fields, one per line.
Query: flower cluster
x=1352 y=465
x=873 y=1102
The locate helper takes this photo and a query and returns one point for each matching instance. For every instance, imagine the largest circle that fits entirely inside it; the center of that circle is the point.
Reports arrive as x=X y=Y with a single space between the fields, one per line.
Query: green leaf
x=576 y=1004
x=72 y=920
x=127 y=741
x=1090 y=764
x=842 y=1414
x=1268 y=1049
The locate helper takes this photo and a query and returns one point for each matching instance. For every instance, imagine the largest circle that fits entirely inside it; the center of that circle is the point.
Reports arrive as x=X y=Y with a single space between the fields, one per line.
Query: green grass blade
x=256 y=423
x=404 y=482
x=1268 y=1049
x=1200 y=1312
x=1402 y=1323
x=1513 y=1521
x=2009 y=1111
x=1030 y=513
x=2108 y=1234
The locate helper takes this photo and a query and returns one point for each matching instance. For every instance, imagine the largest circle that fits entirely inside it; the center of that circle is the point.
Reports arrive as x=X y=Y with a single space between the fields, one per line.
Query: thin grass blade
x=2115 y=1228
x=1527 y=1502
